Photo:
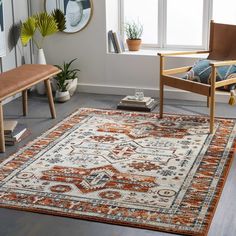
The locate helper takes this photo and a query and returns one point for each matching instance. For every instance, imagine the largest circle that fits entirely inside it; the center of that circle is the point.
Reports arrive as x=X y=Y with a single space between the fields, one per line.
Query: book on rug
x=9 y=126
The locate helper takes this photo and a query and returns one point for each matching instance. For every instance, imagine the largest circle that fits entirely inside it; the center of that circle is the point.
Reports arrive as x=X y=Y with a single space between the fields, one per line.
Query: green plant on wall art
x=43 y=24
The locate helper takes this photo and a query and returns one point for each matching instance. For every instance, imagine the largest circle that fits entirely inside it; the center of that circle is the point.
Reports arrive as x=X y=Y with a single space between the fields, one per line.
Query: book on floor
x=133 y=100
x=130 y=103
x=17 y=134
x=9 y=126
x=12 y=142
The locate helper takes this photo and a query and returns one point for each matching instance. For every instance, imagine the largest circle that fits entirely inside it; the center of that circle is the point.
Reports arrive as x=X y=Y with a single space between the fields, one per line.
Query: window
x=147 y=14
x=224 y=11
x=174 y=23
x=184 y=26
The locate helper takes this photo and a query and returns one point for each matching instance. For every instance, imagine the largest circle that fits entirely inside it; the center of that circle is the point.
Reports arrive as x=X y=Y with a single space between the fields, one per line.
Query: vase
x=74 y=12
x=72 y=86
x=62 y=96
x=40 y=88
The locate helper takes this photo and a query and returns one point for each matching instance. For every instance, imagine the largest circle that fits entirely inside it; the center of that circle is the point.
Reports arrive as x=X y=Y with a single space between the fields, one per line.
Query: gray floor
x=19 y=223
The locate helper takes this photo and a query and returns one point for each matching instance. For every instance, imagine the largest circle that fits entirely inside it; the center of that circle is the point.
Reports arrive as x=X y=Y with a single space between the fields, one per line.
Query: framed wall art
x=78 y=13
x=2 y=35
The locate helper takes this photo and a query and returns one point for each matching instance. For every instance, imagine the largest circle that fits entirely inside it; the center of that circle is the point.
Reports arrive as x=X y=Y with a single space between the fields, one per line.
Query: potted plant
x=62 y=94
x=67 y=79
x=42 y=25
x=133 y=32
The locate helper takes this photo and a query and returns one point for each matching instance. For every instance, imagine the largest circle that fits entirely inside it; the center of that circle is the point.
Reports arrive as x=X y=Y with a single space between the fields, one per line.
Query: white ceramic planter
x=72 y=86
x=62 y=96
x=40 y=88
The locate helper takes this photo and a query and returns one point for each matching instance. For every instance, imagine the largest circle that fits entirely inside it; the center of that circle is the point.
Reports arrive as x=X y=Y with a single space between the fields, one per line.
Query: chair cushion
x=201 y=72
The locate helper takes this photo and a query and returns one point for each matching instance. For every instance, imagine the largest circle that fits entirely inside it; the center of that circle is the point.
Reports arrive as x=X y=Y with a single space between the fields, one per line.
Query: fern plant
x=43 y=23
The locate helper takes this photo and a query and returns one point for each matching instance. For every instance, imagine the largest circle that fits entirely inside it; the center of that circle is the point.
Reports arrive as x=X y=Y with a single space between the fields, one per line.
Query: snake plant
x=43 y=23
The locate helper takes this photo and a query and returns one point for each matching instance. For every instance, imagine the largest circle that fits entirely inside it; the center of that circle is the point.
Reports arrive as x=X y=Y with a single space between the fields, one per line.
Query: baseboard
x=169 y=93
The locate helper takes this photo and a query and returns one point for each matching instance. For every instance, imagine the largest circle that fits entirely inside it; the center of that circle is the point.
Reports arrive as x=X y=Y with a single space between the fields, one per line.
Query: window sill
x=153 y=52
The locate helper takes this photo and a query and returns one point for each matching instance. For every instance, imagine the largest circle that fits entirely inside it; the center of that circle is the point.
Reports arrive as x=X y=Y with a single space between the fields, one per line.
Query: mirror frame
x=91 y=15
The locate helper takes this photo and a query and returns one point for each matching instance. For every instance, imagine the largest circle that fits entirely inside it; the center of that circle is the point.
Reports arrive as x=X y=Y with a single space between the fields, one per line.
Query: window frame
x=162 y=26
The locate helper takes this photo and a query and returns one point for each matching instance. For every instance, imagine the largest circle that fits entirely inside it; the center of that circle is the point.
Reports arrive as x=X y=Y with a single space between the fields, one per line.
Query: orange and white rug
x=124 y=168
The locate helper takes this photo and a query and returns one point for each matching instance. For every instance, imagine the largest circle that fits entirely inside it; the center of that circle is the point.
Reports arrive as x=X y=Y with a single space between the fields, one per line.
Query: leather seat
x=23 y=77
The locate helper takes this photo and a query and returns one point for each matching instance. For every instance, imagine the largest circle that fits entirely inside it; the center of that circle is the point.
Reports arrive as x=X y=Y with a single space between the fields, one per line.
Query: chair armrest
x=180 y=53
x=223 y=63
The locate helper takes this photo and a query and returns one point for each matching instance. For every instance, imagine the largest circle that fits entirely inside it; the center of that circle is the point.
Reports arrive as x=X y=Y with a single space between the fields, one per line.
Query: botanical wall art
x=77 y=12
x=2 y=35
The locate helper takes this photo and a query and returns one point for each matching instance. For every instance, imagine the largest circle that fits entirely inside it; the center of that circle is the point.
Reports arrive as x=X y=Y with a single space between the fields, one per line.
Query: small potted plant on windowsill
x=66 y=81
x=133 y=32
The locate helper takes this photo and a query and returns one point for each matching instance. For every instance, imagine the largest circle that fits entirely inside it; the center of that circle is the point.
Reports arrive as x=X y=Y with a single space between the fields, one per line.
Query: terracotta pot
x=134 y=44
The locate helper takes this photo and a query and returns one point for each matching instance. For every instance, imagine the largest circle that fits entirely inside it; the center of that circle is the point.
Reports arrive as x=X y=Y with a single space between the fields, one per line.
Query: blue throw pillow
x=201 y=72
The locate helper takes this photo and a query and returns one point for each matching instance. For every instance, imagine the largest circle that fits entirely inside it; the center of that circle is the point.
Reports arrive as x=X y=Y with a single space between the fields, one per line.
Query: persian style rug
x=124 y=168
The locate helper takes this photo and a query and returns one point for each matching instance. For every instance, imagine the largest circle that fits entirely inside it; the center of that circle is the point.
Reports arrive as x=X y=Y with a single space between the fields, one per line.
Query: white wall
x=14 y=11
x=102 y=72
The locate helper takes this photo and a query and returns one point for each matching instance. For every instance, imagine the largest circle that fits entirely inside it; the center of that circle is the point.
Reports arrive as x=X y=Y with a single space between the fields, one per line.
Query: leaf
x=14 y=35
x=59 y=17
x=46 y=24
x=27 y=30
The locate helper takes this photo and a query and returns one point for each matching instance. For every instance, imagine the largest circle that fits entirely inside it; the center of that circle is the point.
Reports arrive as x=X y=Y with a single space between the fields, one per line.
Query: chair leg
x=208 y=101
x=50 y=98
x=212 y=113
x=212 y=100
x=2 y=139
x=25 y=102
x=161 y=98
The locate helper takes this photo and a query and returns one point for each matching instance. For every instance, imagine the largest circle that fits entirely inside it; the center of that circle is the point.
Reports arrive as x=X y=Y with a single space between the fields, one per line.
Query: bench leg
x=25 y=102
x=50 y=98
x=2 y=139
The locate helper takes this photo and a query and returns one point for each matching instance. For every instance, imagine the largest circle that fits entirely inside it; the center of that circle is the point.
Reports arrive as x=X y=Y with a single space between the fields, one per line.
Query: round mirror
x=77 y=12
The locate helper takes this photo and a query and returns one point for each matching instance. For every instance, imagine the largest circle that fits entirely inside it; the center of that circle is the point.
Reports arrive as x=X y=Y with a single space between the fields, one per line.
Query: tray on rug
x=124 y=168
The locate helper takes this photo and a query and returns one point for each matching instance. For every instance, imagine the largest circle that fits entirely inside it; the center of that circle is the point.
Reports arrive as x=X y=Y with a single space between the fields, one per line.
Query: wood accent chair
x=222 y=46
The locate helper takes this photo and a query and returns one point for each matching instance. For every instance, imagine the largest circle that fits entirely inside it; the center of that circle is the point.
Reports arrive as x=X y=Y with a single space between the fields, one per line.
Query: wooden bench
x=21 y=79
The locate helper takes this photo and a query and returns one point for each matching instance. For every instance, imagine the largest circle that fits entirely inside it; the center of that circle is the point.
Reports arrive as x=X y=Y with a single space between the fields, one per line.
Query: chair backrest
x=222 y=43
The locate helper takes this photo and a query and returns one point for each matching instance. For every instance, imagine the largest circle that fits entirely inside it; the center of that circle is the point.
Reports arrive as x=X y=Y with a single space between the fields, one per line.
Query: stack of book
x=14 y=132
x=133 y=104
x=115 y=42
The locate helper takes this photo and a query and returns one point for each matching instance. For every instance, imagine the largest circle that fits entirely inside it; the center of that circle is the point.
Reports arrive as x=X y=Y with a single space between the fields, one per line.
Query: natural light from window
x=184 y=22
x=224 y=11
x=178 y=23
x=146 y=13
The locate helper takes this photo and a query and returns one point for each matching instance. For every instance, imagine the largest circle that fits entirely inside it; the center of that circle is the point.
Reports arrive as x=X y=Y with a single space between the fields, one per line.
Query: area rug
x=124 y=168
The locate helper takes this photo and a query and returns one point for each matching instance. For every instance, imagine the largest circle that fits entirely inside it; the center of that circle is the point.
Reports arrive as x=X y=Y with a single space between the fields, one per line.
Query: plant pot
x=62 y=96
x=72 y=86
x=40 y=88
x=134 y=44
